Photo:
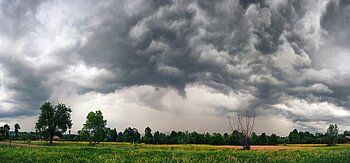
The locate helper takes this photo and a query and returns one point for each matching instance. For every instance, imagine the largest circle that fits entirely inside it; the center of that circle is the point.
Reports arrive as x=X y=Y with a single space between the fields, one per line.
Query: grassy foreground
x=124 y=152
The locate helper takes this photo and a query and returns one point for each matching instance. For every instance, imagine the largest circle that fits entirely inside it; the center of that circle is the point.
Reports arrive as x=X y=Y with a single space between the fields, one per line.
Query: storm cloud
x=280 y=58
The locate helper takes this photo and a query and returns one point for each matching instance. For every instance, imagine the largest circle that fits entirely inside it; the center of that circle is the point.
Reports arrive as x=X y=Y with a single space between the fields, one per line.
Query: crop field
x=125 y=152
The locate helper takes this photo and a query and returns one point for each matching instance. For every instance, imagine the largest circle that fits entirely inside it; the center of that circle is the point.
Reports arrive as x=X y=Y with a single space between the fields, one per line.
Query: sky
x=178 y=64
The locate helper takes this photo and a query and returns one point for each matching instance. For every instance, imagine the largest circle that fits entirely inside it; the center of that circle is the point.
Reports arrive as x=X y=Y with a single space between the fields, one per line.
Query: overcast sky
x=178 y=65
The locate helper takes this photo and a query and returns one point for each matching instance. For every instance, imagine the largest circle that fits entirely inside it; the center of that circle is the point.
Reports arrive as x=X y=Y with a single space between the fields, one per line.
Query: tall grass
x=125 y=152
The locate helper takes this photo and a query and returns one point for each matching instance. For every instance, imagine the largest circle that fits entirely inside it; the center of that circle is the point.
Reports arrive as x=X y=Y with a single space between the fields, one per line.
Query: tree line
x=55 y=120
x=5 y=131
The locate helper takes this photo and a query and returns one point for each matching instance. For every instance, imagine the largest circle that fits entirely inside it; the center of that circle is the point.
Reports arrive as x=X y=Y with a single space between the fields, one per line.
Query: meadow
x=125 y=152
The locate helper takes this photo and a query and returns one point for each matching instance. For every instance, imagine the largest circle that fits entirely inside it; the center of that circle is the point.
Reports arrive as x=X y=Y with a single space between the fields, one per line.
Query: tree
x=294 y=136
x=226 y=139
x=2 y=131
x=273 y=139
x=245 y=124
x=114 y=135
x=111 y=135
x=95 y=125
x=148 y=138
x=17 y=127
x=235 y=137
x=263 y=139
x=196 y=138
x=131 y=135
x=53 y=120
x=346 y=133
x=332 y=134
x=216 y=139
x=156 y=138
x=83 y=135
x=7 y=130
x=255 y=138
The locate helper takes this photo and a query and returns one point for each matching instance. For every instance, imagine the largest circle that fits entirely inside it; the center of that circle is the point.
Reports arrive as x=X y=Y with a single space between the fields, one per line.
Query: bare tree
x=244 y=124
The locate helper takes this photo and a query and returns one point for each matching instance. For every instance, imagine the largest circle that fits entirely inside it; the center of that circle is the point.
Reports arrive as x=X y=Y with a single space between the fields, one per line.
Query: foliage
x=273 y=139
x=17 y=127
x=294 y=136
x=111 y=134
x=148 y=138
x=121 y=152
x=2 y=132
x=53 y=120
x=94 y=130
x=129 y=135
x=332 y=134
x=6 y=130
x=95 y=127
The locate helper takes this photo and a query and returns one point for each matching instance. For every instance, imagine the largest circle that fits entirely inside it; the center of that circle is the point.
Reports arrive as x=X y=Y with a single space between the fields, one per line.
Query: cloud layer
x=285 y=59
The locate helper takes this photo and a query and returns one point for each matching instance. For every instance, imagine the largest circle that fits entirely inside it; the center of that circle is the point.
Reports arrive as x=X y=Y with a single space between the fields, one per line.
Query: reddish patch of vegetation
x=263 y=147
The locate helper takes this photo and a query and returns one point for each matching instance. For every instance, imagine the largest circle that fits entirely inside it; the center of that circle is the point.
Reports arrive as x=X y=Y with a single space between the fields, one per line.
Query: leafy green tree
x=2 y=131
x=148 y=138
x=172 y=138
x=216 y=139
x=7 y=130
x=263 y=139
x=332 y=134
x=226 y=139
x=235 y=138
x=95 y=125
x=196 y=138
x=83 y=135
x=273 y=139
x=181 y=137
x=113 y=135
x=156 y=138
x=255 y=138
x=346 y=133
x=17 y=127
x=53 y=120
x=120 y=137
x=293 y=136
x=307 y=137
x=159 y=138
x=207 y=138
x=131 y=135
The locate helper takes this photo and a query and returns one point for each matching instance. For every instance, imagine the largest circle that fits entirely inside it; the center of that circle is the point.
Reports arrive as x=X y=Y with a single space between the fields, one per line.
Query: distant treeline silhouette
x=55 y=120
x=178 y=137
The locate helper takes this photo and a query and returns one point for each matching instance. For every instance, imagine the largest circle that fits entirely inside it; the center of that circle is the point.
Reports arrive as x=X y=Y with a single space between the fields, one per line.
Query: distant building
x=56 y=138
x=347 y=139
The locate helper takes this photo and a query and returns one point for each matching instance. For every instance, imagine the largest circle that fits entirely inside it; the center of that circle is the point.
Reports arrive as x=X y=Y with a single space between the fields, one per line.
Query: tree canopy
x=95 y=127
x=53 y=120
x=332 y=134
x=17 y=127
x=7 y=130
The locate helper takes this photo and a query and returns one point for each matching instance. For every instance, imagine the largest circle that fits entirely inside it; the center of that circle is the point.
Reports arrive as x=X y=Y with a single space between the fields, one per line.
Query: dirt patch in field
x=263 y=147
x=19 y=145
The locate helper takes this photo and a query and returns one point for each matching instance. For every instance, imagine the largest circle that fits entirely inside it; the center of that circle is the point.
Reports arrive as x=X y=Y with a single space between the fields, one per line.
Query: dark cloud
x=16 y=17
x=336 y=21
x=24 y=86
x=246 y=3
x=173 y=46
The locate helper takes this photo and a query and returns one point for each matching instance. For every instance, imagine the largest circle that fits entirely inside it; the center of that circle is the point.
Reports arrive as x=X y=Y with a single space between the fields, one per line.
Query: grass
x=125 y=152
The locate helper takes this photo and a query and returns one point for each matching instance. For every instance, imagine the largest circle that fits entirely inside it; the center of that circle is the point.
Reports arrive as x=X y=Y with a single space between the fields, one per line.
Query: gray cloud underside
x=275 y=51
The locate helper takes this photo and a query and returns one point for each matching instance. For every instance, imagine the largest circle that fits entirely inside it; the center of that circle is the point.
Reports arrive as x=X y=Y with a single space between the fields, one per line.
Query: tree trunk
x=51 y=138
x=246 y=143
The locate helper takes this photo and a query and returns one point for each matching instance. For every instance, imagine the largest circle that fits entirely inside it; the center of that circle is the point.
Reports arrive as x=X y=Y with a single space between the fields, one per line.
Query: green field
x=125 y=152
